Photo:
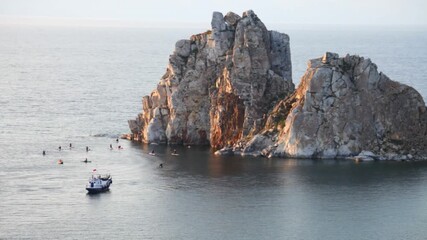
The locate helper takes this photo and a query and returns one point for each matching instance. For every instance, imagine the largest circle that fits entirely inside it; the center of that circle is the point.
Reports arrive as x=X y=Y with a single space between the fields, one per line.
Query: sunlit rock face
x=345 y=107
x=218 y=85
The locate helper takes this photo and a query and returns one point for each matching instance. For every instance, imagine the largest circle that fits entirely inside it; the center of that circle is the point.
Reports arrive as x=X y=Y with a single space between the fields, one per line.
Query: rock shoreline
x=364 y=156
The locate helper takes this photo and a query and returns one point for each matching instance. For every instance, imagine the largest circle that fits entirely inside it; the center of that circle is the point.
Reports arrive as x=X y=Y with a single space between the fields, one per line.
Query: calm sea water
x=80 y=85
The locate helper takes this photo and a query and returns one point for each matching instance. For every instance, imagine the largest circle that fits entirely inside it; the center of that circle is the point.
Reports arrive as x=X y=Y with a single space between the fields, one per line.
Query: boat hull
x=97 y=190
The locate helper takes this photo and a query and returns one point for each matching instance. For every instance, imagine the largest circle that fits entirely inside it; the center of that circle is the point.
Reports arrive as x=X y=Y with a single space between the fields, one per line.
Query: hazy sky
x=360 y=12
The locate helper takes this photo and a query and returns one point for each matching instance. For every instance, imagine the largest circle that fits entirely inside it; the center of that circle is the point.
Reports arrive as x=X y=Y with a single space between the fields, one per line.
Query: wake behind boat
x=99 y=183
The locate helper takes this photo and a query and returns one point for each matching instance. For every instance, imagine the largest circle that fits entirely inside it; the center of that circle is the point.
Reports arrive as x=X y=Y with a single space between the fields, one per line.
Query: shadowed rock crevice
x=228 y=111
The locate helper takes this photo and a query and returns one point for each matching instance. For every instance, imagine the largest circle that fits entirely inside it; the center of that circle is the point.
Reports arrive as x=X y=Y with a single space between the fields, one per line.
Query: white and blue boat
x=99 y=183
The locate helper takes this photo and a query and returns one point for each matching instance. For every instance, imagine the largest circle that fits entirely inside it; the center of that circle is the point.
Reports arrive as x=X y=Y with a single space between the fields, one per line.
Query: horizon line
x=128 y=23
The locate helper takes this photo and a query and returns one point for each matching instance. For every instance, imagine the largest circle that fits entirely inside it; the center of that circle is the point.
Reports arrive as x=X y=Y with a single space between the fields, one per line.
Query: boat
x=99 y=183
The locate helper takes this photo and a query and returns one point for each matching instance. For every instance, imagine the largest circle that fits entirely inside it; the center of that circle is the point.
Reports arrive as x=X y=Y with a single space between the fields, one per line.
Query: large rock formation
x=344 y=107
x=232 y=87
x=218 y=85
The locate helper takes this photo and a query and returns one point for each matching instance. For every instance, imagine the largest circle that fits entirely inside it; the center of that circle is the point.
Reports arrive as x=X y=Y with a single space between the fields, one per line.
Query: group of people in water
x=60 y=161
x=71 y=146
x=174 y=153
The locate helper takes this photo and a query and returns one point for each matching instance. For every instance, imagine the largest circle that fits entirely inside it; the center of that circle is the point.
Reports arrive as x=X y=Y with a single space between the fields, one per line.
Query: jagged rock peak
x=218 y=85
x=232 y=19
x=250 y=13
x=218 y=22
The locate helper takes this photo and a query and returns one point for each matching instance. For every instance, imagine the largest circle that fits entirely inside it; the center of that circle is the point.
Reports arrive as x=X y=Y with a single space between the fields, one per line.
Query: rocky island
x=231 y=88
